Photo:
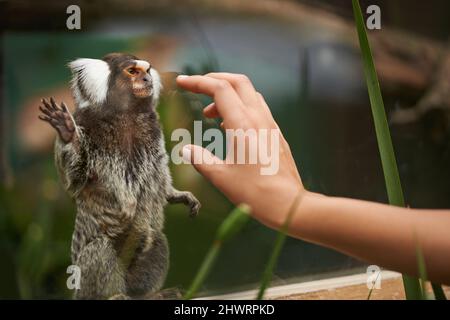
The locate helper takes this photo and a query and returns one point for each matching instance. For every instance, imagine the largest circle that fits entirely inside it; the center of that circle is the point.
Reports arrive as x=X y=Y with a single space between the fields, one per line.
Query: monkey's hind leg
x=101 y=274
x=186 y=198
x=148 y=270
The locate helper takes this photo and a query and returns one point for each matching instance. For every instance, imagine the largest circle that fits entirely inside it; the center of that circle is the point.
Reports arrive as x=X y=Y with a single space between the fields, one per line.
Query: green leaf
x=438 y=292
x=388 y=162
x=373 y=286
x=205 y=269
x=232 y=225
x=422 y=272
x=268 y=271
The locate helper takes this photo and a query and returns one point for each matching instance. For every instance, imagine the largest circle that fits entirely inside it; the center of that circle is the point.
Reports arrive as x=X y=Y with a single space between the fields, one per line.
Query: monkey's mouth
x=143 y=92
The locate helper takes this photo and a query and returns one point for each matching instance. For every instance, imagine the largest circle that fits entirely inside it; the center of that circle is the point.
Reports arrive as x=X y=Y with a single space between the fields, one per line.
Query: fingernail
x=182 y=76
x=187 y=154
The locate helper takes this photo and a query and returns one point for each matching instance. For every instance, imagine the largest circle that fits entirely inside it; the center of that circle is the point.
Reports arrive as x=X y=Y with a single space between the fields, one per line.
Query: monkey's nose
x=147 y=78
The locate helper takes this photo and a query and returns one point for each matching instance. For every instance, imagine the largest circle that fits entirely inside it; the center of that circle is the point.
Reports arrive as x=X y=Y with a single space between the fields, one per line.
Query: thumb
x=203 y=161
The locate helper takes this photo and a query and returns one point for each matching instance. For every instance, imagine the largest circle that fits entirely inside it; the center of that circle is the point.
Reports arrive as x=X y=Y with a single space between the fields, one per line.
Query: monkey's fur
x=112 y=160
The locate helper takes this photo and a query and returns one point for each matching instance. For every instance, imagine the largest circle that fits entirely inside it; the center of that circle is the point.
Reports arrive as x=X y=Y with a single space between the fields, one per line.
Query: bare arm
x=381 y=234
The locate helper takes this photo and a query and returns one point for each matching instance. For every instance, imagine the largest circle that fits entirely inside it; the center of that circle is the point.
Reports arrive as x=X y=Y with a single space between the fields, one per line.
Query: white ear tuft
x=144 y=65
x=157 y=85
x=90 y=81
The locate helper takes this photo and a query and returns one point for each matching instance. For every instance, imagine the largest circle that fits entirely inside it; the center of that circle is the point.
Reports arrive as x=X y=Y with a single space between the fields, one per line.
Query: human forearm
x=385 y=235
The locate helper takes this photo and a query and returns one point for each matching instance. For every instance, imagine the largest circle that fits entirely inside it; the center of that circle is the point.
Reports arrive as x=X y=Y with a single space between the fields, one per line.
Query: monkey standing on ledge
x=111 y=158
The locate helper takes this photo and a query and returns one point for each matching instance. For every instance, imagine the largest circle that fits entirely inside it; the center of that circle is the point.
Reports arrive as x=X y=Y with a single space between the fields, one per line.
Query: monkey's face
x=135 y=77
x=118 y=80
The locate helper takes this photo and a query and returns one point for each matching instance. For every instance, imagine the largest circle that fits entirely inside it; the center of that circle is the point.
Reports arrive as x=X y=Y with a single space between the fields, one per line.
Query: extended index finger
x=227 y=101
x=241 y=83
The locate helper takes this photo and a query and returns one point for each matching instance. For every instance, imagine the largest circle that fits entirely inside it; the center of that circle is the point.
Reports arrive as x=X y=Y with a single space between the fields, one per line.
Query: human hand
x=241 y=107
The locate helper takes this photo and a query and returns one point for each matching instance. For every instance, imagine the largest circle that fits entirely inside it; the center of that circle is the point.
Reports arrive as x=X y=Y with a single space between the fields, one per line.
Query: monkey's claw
x=194 y=205
x=186 y=198
x=59 y=118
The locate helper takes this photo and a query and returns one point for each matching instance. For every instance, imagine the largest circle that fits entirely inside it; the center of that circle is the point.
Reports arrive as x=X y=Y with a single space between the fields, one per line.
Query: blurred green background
x=312 y=79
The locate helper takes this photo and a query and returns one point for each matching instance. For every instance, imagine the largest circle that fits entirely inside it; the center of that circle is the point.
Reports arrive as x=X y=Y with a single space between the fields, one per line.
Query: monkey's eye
x=148 y=71
x=132 y=71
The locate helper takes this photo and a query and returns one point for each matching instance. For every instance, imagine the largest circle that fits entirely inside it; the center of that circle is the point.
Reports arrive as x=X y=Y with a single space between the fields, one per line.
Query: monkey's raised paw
x=59 y=118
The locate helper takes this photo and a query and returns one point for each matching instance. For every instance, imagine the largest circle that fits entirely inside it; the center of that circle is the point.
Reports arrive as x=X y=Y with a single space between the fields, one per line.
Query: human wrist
x=304 y=218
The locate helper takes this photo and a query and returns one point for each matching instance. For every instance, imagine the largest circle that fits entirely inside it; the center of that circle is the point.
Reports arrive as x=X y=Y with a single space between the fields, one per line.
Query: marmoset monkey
x=111 y=159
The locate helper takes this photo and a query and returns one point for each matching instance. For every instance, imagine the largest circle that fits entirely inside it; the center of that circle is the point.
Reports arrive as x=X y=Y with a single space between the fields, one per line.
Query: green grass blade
x=437 y=289
x=281 y=238
x=228 y=229
x=422 y=272
x=233 y=223
x=204 y=270
x=413 y=291
x=438 y=292
x=373 y=286
x=389 y=164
